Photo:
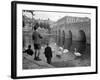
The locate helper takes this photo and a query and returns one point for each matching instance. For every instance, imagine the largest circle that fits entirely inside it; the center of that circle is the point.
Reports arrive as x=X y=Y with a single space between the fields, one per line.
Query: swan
x=77 y=53
x=65 y=50
x=59 y=53
x=61 y=48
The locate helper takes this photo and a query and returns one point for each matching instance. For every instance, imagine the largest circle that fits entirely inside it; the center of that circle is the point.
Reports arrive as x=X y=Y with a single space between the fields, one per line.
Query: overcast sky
x=54 y=16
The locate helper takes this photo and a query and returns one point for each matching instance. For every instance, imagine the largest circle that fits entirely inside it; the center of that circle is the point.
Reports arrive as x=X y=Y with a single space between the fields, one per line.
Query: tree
x=31 y=20
x=31 y=11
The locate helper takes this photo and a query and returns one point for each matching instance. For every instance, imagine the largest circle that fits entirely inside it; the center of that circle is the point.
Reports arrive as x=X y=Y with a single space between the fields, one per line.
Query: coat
x=48 y=52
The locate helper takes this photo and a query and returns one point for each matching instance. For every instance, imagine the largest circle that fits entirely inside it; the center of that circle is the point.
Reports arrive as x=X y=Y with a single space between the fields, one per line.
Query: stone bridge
x=76 y=28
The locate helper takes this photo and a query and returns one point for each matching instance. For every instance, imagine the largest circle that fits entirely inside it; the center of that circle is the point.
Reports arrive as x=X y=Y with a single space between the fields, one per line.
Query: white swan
x=77 y=53
x=61 y=48
x=65 y=51
x=59 y=53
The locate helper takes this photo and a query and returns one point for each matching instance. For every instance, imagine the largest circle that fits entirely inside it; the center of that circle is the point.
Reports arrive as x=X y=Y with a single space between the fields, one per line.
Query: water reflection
x=71 y=45
x=67 y=44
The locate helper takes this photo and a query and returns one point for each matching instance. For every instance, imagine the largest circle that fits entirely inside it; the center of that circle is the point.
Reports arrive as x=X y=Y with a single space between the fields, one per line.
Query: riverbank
x=65 y=60
x=30 y=63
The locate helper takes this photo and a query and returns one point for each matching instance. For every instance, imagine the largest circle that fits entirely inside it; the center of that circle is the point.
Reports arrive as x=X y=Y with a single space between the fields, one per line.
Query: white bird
x=60 y=48
x=77 y=53
x=65 y=51
x=59 y=53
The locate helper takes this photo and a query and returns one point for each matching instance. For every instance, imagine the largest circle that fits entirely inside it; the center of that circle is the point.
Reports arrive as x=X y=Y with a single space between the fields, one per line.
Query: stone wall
x=78 y=31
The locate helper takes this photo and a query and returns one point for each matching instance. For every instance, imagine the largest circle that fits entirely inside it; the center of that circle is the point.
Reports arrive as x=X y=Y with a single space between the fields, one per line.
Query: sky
x=54 y=16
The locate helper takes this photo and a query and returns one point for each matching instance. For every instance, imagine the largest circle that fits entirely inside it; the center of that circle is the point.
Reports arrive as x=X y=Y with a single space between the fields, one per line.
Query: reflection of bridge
x=77 y=28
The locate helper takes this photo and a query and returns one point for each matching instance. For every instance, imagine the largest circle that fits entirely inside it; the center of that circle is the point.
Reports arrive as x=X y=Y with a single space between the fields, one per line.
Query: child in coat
x=48 y=53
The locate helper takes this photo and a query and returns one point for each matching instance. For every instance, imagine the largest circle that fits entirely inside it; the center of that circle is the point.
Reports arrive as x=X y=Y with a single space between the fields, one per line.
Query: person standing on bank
x=37 y=42
x=48 y=53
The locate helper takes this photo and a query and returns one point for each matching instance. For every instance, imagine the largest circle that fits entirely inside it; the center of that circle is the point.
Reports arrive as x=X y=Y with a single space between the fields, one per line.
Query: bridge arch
x=59 y=35
x=70 y=34
x=82 y=36
x=63 y=37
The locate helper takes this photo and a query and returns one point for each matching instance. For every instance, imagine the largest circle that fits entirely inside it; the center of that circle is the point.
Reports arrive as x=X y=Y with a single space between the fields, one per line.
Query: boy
x=48 y=53
x=37 y=42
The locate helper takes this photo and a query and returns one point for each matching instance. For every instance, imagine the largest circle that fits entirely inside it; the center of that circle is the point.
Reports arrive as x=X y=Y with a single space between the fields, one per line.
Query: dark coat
x=48 y=52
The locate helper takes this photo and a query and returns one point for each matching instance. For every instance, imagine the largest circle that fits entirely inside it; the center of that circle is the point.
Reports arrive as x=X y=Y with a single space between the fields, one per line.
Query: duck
x=77 y=53
x=65 y=51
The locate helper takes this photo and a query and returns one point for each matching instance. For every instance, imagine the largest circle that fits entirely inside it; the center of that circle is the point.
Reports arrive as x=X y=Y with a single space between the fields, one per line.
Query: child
x=29 y=50
x=36 y=37
x=48 y=53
